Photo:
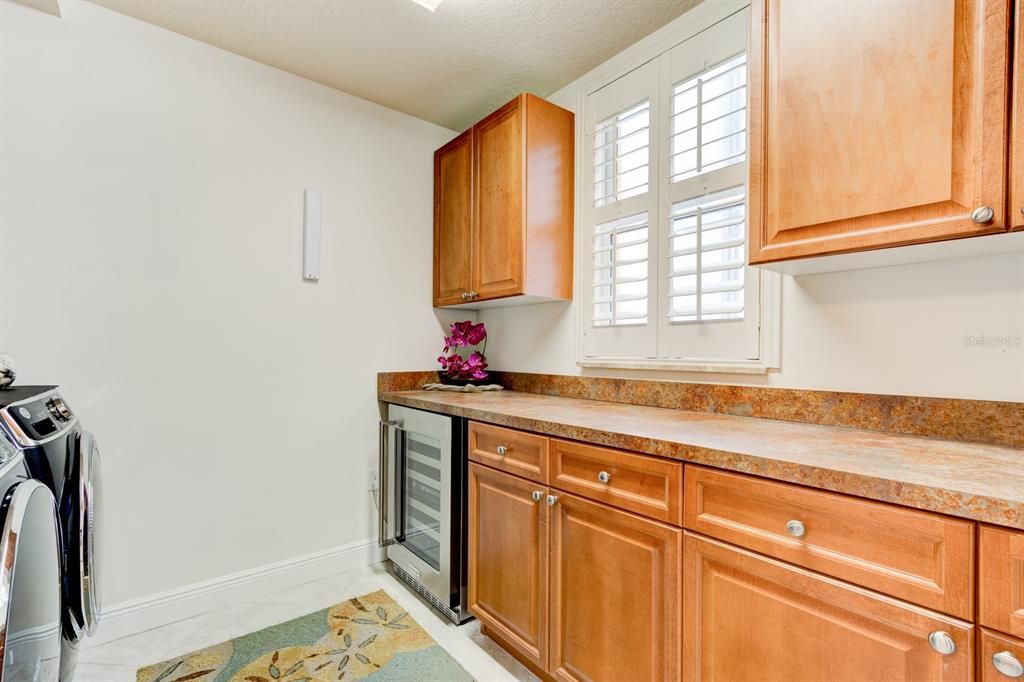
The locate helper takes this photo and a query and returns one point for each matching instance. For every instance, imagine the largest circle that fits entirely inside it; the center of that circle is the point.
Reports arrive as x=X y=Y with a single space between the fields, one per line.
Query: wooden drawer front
x=918 y=556
x=1001 y=587
x=645 y=485
x=747 y=618
x=996 y=649
x=517 y=452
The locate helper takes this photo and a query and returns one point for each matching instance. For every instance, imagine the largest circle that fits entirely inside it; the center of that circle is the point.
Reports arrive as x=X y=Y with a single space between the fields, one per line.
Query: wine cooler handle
x=385 y=535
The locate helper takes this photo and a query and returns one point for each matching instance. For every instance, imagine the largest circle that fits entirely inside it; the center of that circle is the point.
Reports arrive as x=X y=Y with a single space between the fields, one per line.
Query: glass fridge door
x=421 y=494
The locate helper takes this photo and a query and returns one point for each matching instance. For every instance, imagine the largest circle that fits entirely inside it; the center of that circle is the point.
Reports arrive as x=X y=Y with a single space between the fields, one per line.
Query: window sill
x=695 y=365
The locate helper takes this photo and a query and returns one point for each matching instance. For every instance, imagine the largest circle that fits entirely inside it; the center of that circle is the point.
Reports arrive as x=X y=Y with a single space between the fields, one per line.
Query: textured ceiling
x=450 y=67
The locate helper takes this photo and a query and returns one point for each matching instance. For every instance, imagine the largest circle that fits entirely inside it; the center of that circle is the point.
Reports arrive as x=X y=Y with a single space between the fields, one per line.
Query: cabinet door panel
x=453 y=215
x=508 y=560
x=1016 y=215
x=1001 y=579
x=875 y=124
x=499 y=228
x=615 y=587
x=993 y=646
x=747 y=617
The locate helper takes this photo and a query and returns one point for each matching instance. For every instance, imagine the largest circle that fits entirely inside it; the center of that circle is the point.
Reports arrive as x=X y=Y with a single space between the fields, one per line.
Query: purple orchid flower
x=476 y=334
x=463 y=334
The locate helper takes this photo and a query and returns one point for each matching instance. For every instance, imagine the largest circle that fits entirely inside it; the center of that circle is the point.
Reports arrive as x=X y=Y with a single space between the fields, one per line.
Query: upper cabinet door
x=499 y=227
x=1016 y=216
x=875 y=124
x=453 y=218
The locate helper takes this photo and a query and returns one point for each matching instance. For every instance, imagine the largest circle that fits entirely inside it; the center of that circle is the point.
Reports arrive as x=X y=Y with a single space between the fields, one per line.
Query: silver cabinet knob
x=552 y=499
x=465 y=295
x=942 y=642
x=1008 y=664
x=604 y=477
x=502 y=450
x=796 y=528
x=537 y=495
x=983 y=214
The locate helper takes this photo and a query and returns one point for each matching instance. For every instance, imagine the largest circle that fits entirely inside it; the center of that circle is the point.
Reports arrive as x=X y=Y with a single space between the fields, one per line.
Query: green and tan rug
x=365 y=638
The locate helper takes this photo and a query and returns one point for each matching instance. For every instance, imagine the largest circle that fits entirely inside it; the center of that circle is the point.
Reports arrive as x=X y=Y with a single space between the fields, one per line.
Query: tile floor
x=117 y=661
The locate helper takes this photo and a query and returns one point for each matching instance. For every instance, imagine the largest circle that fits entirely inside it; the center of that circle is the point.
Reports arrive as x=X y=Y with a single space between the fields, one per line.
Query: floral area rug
x=365 y=638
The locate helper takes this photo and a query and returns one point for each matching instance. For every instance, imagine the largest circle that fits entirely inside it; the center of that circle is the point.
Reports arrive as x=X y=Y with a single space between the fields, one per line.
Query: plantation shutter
x=622 y=119
x=710 y=302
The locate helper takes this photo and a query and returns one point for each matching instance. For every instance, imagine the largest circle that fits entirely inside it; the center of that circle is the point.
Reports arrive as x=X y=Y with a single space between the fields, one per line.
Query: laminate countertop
x=970 y=480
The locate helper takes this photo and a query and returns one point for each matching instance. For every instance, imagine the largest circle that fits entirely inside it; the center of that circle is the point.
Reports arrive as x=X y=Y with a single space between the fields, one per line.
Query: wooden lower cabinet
x=1000 y=657
x=616 y=610
x=747 y=617
x=1001 y=580
x=508 y=560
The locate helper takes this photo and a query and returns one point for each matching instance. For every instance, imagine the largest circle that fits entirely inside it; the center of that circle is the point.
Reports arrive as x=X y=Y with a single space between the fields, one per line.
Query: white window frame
x=762 y=345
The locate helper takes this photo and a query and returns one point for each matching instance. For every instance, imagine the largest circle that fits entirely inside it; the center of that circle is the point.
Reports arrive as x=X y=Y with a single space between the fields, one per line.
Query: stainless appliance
x=423 y=503
x=30 y=593
x=63 y=457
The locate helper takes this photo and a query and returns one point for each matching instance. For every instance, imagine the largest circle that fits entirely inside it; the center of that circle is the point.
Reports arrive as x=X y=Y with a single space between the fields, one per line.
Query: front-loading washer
x=64 y=457
x=30 y=575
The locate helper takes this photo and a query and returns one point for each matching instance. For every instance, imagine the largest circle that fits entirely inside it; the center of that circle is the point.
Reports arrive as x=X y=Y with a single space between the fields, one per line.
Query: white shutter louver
x=620 y=271
x=707 y=255
x=622 y=154
x=709 y=120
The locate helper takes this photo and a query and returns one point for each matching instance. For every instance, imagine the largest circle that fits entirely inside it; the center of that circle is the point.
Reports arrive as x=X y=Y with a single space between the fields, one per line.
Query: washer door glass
x=30 y=574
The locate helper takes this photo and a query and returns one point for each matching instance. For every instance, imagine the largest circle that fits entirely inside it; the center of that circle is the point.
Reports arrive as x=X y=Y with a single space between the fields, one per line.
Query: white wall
x=150 y=262
x=894 y=330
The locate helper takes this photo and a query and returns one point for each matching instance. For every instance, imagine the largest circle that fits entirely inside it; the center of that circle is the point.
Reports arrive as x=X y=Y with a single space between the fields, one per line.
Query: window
x=706 y=258
x=666 y=221
x=709 y=120
x=622 y=155
x=620 y=271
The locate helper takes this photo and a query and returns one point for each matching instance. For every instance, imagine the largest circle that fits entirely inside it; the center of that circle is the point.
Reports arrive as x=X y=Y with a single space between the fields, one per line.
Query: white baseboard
x=137 y=615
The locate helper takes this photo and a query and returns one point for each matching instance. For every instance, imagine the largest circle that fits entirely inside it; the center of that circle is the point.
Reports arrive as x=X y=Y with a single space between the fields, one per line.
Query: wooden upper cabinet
x=508 y=559
x=453 y=219
x=615 y=594
x=516 y=235
x=875 y=124
x=498 y=227
x=1016 y=214
x=749 y=618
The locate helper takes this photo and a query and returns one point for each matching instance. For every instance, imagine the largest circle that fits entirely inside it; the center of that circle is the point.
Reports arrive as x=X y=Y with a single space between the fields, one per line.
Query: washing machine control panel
x=39 y=419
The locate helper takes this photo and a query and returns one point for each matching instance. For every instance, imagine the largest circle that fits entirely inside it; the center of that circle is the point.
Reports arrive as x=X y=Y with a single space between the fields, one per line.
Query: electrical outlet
x=374 y=479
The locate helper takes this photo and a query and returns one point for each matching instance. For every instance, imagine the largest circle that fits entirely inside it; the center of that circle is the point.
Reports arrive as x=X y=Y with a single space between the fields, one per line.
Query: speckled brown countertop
x=970 y=480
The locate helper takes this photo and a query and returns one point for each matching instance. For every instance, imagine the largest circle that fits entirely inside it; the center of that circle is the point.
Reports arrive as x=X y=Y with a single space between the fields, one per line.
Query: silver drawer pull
x=983 y=214
x=942 y=642
x=604 y=477
x=537 y=495
x=552 y=499
x=796 y=528
x=502 y=450
x=1008 y=664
